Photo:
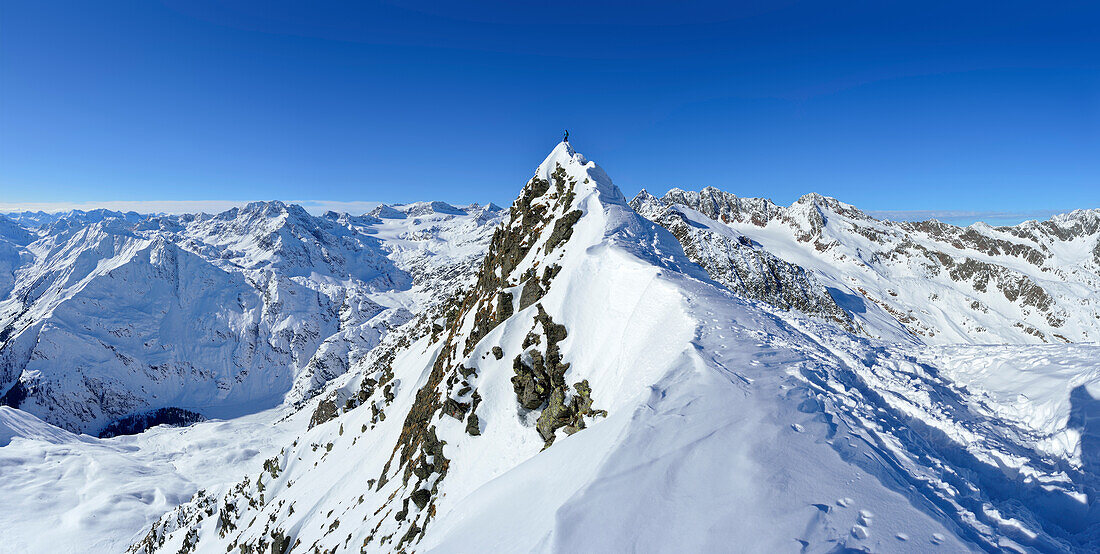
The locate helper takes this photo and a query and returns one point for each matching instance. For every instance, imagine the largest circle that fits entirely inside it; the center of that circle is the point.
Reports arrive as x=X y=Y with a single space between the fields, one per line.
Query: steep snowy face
x=593 y=381
x=1030 y=283
x=221 y=314
x=13 y=253
x=507 y=369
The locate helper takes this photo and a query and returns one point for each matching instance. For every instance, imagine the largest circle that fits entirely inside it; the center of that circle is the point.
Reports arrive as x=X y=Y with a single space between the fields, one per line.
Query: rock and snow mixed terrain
x=113 y=314
x=577 y=373
x=1036 y=282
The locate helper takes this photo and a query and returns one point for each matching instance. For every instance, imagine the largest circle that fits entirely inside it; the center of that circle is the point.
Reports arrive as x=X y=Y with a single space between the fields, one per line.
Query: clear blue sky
x=889 y=106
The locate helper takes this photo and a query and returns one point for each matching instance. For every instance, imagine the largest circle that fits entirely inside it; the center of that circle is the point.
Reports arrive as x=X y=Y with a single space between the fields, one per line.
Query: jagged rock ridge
x=735 y=260
x=940 y=283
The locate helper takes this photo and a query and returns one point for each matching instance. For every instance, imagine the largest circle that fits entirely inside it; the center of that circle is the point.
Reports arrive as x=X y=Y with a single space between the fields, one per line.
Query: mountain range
x=579 y=372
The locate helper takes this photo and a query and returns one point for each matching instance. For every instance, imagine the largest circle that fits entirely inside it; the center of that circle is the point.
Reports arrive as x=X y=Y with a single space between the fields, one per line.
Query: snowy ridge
x=64 y=492
x=943 y=284
x=565 y=375
x=740 y=264
x=595 y=378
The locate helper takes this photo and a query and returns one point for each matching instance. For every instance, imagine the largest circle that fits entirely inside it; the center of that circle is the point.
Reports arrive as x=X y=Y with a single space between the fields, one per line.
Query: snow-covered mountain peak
x=592 y=378
x=435 y=207
x=545 y=377
x=384 y=211
x=939 y=282
x=830 y=204
x=588 y=175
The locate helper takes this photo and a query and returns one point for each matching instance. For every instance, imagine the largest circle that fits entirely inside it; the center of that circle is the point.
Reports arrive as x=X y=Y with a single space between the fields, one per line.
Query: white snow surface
x=62 y=492
x=730 y=426
x=1033 y=283
x=111 y=314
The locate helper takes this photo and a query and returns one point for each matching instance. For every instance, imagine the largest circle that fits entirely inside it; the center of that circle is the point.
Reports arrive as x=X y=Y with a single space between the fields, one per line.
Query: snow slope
x=596 y=381
x=1032 y=283
x=63 y=492
x=111 y=314
x=566 y=375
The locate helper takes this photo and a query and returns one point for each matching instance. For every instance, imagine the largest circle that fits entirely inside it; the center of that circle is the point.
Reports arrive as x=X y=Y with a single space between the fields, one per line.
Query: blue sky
x=931 y=108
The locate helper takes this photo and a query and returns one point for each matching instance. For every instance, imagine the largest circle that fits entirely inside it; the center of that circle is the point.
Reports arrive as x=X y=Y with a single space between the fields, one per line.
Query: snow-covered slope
x=740 y=264
x=62 y=492
x=562 y=376
x=111 y=314
x=13 y=252
x=596 y=391
x=1032 y=283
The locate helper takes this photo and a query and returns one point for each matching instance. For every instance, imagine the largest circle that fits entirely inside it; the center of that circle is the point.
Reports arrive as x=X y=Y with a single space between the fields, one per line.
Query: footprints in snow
x=863 y=522
x=864 y=518
x=860 y=529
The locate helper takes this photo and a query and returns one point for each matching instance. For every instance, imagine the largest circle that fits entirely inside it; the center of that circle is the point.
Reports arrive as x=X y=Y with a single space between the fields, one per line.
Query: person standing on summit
x=566 y=139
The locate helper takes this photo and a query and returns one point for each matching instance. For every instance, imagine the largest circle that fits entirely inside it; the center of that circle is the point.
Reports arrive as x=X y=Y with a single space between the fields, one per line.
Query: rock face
x=936 y=282
x=111 y=314
x=735 y=260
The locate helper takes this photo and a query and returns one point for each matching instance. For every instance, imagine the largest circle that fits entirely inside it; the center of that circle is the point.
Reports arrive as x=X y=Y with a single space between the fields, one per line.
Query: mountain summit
x=594 y=377
x=576 y=373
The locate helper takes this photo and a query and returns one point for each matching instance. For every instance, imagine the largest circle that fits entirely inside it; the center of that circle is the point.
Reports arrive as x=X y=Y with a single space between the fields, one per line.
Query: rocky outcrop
x=925 y=276
x=539 y=218
x=138 y=423
x=736 y=261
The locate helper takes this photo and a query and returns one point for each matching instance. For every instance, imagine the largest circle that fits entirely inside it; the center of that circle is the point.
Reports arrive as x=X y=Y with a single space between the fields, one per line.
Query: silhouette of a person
x=566 y=139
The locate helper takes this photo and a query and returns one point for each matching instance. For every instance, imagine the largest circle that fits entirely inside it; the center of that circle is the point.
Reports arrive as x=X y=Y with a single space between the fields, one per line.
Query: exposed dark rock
x=139 y=423
x=455 y=408
x=15 y=395
x=541 y=384
x=421 y=497
x=326 y=411
x=549 y=273
x=473 y=424
x=558 y=413
x=280 y=543
x=563 y=229
x=744 y=267
x=1014 y=285
x=504 y=306
x=498 y=352
x=531 y=292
